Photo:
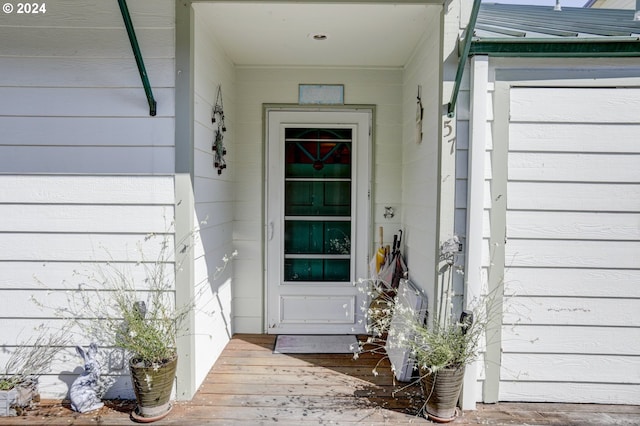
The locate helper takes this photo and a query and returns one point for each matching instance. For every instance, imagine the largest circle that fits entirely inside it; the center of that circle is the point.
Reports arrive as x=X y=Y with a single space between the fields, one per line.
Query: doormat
x=315 y=344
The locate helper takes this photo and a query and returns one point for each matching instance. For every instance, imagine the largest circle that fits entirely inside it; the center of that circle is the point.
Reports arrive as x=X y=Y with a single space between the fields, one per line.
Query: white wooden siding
x=576 y=105
x=73 y=101
x=414 y=176
x=214 y=198
x=573 y=244
x=85 y=171
x=55 y=225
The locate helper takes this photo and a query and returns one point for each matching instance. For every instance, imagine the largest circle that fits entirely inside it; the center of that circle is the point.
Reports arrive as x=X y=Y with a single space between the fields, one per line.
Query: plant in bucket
x=134 y=303
x=26 y=363
x=136 y=311
x=441 y=348
x=148 y=325
x=438 y=347
x=441 y=353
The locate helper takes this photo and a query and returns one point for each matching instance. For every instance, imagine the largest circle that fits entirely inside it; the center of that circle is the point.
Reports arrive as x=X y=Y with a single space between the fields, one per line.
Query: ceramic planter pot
x=152 y=387
x=442 y=390
x=16 y=400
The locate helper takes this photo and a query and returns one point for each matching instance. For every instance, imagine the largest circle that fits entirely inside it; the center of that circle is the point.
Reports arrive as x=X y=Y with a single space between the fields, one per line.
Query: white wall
x=56 y=226
x=420 y=171
x=214 y=201
x=567 y=289
x=573 y=244
x=84 y=169
x=69 y=78
x=255 y=86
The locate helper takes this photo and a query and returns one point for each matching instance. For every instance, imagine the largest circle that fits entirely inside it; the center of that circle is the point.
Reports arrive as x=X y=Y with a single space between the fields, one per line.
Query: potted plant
x=441 y=352
x=136 y=311
x=442 y=348
x=439 y=347
x=132 y=306
x=145 y=322
x=148 y=333
x=27 y=362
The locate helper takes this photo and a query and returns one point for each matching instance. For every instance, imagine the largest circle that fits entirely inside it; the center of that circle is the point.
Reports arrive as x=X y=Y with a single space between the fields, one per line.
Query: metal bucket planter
x=442 y=390
x=13 y=402
x=152 y=386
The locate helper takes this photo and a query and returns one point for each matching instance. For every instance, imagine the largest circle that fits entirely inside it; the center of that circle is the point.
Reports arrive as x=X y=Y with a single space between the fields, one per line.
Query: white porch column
x=475 y=205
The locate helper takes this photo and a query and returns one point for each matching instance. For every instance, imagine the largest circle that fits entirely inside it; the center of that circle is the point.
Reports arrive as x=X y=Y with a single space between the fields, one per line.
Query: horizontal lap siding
x=214 y=201
x=85 y=171
x=56 y=230
x=573 y=244
x=73 y=100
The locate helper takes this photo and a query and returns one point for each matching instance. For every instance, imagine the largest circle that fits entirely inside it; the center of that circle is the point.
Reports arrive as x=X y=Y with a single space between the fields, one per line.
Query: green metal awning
x=542 y=31
x=508 y=30
x=555 y=48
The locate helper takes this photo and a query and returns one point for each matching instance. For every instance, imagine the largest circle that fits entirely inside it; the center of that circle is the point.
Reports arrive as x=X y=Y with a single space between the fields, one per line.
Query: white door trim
x=341 y=295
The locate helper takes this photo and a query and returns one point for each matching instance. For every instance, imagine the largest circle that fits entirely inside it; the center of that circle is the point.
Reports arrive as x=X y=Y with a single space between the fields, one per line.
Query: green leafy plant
x=452 y=345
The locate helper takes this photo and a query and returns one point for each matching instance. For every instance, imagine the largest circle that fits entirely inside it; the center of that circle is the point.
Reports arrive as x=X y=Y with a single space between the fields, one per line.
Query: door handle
x=270 y=231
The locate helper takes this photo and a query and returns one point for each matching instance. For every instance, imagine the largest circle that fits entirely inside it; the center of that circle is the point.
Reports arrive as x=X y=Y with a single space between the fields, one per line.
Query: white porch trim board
x=475 y=205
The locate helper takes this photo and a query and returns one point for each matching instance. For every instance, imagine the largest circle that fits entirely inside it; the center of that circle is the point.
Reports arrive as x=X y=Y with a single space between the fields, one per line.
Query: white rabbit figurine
x=84 y=390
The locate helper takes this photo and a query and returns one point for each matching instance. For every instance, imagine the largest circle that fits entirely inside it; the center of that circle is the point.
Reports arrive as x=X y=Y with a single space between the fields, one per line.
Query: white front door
x=317 y=220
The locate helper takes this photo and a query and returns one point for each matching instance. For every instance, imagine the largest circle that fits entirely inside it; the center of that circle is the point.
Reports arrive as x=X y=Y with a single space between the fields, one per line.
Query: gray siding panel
x=85 y=172
x=573 y=246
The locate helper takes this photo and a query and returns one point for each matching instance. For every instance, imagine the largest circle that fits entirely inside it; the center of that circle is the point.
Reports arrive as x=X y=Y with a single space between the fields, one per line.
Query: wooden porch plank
x=249 y=385
x=362 y=372
x=346 y=413
x=312 y=401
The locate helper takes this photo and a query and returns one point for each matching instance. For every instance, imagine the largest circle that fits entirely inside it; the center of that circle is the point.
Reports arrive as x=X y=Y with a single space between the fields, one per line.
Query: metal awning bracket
x=468 y=35
x=138 y=55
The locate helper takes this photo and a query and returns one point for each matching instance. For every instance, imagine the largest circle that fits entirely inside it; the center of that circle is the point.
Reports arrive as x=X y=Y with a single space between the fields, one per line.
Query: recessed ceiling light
x=318 y=36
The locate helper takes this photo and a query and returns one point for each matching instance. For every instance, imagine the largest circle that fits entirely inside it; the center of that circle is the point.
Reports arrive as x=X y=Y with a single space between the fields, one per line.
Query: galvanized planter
x=442 y=390
x=13 y=402
x=152 y=387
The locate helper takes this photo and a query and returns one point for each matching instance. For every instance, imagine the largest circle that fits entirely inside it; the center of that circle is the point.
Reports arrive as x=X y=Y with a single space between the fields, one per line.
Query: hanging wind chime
x=217 y=117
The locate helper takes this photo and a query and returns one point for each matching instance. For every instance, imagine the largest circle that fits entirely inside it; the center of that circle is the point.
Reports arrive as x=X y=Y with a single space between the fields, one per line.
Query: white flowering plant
x=32 y=358
x=446 y=340
x=147 y=321
x=132 y=305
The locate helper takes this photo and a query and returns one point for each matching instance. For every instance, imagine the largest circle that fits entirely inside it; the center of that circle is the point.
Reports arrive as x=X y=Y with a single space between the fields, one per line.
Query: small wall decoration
x=321 y=94
x=217 y=117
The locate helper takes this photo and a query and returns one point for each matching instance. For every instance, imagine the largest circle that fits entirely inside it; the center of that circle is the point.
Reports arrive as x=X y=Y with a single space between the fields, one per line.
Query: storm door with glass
x=317 y=220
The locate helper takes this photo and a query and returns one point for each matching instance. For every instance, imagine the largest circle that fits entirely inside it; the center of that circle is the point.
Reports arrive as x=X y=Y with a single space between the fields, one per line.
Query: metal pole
x=468 y=35
x=138 y=55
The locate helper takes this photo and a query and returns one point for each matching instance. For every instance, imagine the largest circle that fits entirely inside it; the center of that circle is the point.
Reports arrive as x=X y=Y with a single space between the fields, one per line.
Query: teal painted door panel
x=317 y=205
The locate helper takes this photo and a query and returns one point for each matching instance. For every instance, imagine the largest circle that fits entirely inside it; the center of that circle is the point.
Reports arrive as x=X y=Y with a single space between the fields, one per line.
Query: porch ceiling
x=377 y=34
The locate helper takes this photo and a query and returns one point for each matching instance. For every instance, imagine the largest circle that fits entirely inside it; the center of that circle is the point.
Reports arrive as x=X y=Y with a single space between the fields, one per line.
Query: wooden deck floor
x=250 y=385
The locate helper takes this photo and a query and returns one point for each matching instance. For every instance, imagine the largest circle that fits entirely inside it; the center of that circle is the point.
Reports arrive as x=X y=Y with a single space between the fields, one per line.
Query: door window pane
x=317 y=237
x=318 y=193
x=306 y=198
x=317 y=270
